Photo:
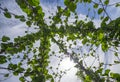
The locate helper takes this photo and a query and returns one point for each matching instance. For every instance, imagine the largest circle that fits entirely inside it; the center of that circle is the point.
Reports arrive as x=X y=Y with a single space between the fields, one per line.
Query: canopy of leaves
x=105 y=37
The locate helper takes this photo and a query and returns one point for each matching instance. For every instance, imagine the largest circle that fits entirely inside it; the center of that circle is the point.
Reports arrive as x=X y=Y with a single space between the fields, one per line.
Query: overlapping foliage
x=37 y=69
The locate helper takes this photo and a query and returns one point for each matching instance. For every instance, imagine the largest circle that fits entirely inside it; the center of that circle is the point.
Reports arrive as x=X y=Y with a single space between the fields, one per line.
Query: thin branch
x=6 y=68
x=105 y=10
x=7 y=11
x=92 y=63
x=112 y=4
x=114 y=51
x=110 y=64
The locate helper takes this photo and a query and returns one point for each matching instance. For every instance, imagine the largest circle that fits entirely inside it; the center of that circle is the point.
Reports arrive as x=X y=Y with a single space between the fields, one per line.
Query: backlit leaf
x=5 y=38
x=100 y=10
x=7 y=14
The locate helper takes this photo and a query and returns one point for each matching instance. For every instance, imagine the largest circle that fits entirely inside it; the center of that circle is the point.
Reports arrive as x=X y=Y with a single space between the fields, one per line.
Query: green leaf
x=100 y=10
x=12 y=66
x=39 y=10
x=115 y=76
x=49 y=77
x=15 y=73
x=11 y=50
x=85 y=41
x=38 y=79
x=7 y=14
x=22 y=79
x=19 y=70
x=104 y=47
x=89 y=1
x=6 y=75
x=22 y=20
x=52 y=80
x=107 y=72
x=34 y=2
x=2 y=59
x=106 y=2
x=72 y=7
x=28 y=23
x=117 y=5
x=67 y=13
x=117 y=62
x=51 y=67
x=87 y=79
x=95 y=5
x=66 y=2
x=99 y=70
x=5 y=38
x=105 y=19
x=101 y=35
x=116 y=54
x=17 y=17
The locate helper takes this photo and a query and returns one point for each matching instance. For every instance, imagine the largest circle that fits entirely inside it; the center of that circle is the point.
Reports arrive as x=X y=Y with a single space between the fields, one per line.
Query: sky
x=14 y=28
